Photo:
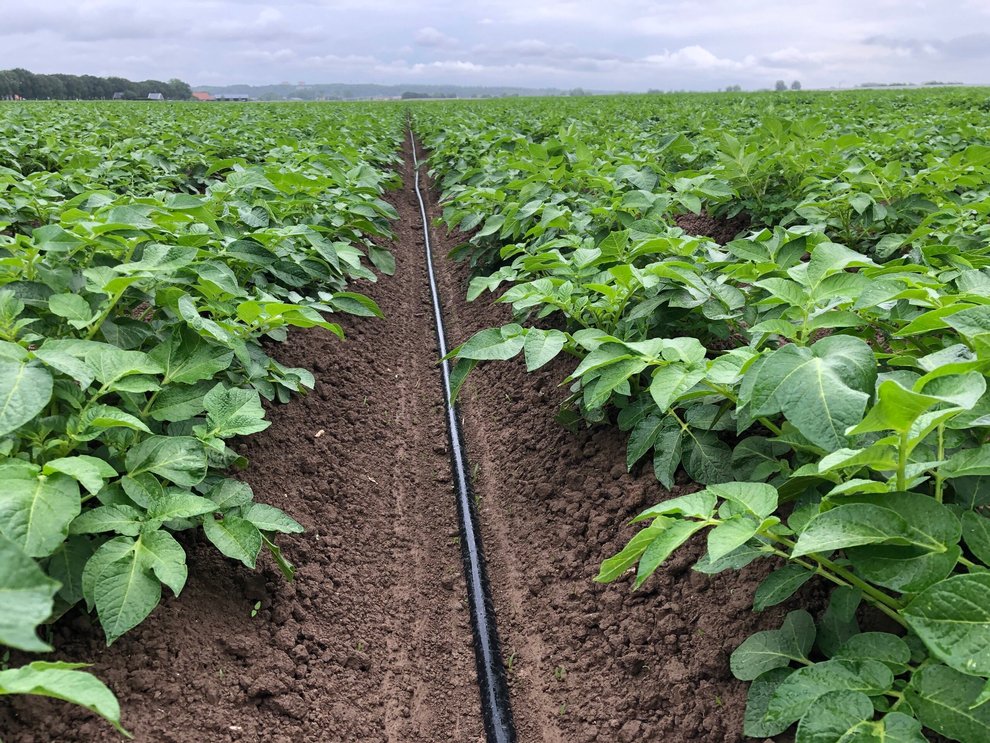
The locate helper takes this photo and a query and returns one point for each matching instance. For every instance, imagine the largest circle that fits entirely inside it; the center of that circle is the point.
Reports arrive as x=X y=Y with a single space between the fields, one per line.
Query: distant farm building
x=203 y=97
x=156 y=97
x=119 y=95
x=233 y=97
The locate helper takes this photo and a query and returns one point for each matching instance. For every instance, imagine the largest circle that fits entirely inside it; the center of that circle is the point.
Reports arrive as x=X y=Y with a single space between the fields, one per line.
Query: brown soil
x=372 y=641
x=718 y=229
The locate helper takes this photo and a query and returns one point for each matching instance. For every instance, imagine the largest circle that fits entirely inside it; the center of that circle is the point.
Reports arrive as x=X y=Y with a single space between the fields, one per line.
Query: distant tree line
x=87 y=87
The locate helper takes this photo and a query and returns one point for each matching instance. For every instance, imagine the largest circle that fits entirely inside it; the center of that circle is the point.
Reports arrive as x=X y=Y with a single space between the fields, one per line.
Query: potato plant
x=143 y=271
x=821 y=378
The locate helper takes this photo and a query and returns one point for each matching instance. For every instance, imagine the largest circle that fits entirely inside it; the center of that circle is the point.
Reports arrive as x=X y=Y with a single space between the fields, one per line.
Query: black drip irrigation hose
x=495 y=709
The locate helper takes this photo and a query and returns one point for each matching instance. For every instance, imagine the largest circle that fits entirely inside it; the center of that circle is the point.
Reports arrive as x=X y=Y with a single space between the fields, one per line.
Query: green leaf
x=26 y=598
x=706 y=458
x=838 y=624
x=186 y=358
x=837 y=716
x=178 y=504
x=822 y=390
x=897 y=409
x=91 y=472
x=670 y=382
x=24 y=392
x=268 y=518
x=97 y=418
x=73 y=308
x=731 y=534
x=181 y=459
x=66 y=566
x=36 y=513
x=700 y=505
x=234 y=412
x=125 y=592
x=780 y=585
x=802 y=690
x=667 y=453
x=230 y=493
x=542 y=346
x=976 y=533
x=866 y=523
x=63 y=681
x=755 y=724
x=952 y=618
x=121 y=519
x=235 y=537
x=159 y=551
x=179 y=402
x=493 y=344
x=663 y=546
x=889 y=649
x=777 y=648
x=942 y=700
x=757 y=498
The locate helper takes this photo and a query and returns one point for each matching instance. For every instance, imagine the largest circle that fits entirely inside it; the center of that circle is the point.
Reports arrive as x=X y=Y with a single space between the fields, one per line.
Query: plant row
x=821 y=378
x=145 y=270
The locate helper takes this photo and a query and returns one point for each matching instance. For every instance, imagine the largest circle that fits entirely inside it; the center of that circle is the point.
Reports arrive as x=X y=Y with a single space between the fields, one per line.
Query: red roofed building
x=203 y=97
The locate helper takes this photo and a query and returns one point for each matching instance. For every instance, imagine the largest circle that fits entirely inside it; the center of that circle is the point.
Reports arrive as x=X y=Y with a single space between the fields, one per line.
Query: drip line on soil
x=495 y=708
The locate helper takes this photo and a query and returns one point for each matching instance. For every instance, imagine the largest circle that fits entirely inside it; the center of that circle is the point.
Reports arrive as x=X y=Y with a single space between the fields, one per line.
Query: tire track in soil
x=372 y=641
x=590 y=662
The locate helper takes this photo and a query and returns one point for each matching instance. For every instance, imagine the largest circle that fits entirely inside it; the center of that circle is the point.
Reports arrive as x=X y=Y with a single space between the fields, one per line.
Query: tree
x=796 y=85
x=780 y=85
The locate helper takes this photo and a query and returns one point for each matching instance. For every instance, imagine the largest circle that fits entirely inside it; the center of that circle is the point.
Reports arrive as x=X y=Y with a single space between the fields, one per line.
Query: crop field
x=720 y=362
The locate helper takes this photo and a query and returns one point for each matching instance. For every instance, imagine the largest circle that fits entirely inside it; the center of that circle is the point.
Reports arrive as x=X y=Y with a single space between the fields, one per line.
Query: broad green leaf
x=181 y=459
x=802 y=690
x=24 y=392
x=121 y=519
x=73 y=308
x=822 y=390
x=953 y=620
x=897 y=409
x=699 y=505
x=663 y=546
x=36 y=513
x=943 y=698
x=159 y=551
x=755 y=724
x=26 y=598
x=838 y=624
x=91 y=472
x=178 y=504
x=706 y=458
x=97 y=418
x=889 y=649
x=542 y=346
x=776 y=648
x=976 y=533
x=230 y=494
x=670 y=382
x=268 y=518
x=66 y=682
x=66 y=566
x=838 y=716
x=780 y=585
x=615 y=566
x=179 y=402
x=187 y=358
x=757 y=498
x=235 y=537
x=731 y=534
x=493 y=344
x=125 y=593
x=667 y=454
x=233 y=412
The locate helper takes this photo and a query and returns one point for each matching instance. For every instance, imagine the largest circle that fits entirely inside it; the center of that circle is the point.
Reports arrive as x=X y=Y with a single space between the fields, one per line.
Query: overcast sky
x=599 y=44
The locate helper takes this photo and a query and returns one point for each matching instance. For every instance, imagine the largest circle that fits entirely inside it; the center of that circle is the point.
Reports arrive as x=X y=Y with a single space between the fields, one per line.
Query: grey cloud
x=598 y=44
